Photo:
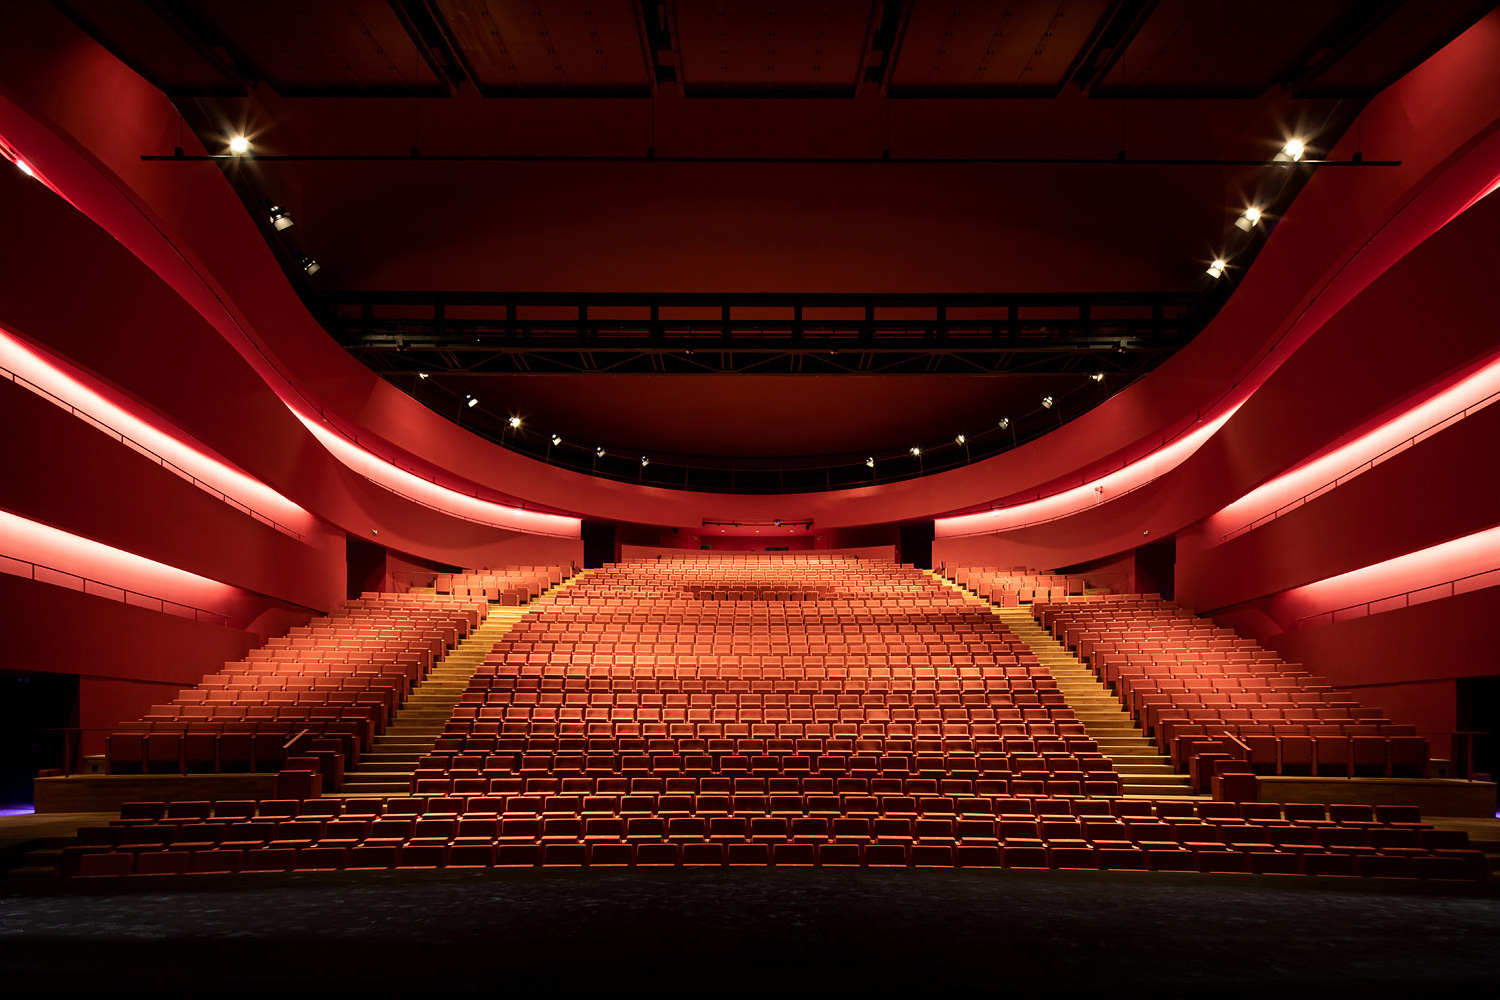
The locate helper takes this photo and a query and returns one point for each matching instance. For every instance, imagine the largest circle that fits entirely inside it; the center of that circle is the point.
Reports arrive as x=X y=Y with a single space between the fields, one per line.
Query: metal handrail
x=1362 y=468
x=10 y=565
x=139 y=448
x=1438 y=591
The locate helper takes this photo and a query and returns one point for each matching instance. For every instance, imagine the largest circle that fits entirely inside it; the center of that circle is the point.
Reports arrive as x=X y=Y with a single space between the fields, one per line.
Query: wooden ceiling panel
x=1395 y=46
x=548 y=45
x=149 y=46
x=1223 y=47
x=768 y=46
x=309 y=47
x=993 y=46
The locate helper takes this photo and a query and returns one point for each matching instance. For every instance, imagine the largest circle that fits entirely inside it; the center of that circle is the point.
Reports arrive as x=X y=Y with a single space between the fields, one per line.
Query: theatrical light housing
x=870 y=462
x=514 y=422
x=960 y=440
x=308 y=264
x=239 y=144
x=1004 y=422
x=1291 y=152
x=472 y=402
x=280 y=217
x=598 y=452
x=422 y=375
x=1097 y=376
x=915 y=450
x=645 y=461
x=1216 y=269
x=1047 y=402
x=557 y=439
x=1248 y=219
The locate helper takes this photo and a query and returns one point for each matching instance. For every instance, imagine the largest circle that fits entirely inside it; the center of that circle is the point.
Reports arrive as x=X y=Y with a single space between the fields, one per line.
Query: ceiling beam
x=432 y=42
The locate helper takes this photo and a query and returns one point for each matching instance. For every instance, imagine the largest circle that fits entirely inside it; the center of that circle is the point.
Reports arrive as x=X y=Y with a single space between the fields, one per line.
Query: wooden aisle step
x=1142 y=768
x=387 y=769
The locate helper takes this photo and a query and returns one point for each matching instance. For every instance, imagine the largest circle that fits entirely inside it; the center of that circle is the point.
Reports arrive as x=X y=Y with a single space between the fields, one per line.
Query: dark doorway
x=1156 y=568
x=915 y=544
x=1479 y=713
x=598 y=543
x=365 y=562
x=34 y=709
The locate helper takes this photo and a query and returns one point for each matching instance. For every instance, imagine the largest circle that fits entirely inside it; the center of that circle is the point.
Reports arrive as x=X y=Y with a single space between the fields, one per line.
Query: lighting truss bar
x=484 y=333
x=649 y=157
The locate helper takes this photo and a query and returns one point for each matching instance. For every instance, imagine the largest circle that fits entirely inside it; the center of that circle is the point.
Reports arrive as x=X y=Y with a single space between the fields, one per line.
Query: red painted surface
x=1310 y=261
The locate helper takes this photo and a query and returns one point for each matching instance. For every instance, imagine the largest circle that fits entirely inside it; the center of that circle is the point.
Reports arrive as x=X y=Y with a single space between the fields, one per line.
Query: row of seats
x=1011 y=588
x=325 y=690
x=240 y=836
x=1200 y=689
x=511 y=585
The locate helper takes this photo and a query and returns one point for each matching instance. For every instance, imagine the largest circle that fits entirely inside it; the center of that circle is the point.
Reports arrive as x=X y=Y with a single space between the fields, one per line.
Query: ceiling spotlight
x=1004 y=422
x=960 y=439
x=645 y=461
x=421 y=375
x=239 y=144
x=22 y=166
x=1248 y=220
x=308 y=264
x=1097 y=376
x=280 y=217
x=1216 y=269
x=598 y=452
x=1047 y=402
x=1291 y=152
x=557 y=439
x=915 y=450
x=472 y=402
x=870 y=462
x=514 y=422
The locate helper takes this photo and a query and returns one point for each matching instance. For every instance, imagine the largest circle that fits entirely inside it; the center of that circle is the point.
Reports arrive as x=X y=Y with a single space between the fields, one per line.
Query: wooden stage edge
x=1434 y=796
x=105 y=792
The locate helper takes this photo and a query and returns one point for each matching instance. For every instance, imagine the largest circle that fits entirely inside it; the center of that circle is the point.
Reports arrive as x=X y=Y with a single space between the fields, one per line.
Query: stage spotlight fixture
x=915 y=450
x=870 y=462
x=1004 y=422
x=1047 y=402
x=645 y=461
x=1097 y=376
x=1291 y=152
x=598 y=452
x=1248 y=219
x=1216 y=269
x=960 y=440
x=280 y=217
x=557 y=439
x=308 y=264
x=514 y=422
x=239 y=144
x=422 y=375
x=472 y=402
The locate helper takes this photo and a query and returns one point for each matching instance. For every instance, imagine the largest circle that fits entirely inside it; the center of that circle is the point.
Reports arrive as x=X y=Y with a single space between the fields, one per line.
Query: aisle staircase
x=1142 y=768
x=387 y=769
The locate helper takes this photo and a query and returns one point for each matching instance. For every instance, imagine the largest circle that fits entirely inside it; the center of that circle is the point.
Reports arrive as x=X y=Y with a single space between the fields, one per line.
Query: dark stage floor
x=751 y=931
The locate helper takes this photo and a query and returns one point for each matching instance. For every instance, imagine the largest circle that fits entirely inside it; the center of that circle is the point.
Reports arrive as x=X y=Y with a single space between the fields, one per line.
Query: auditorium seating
x=511 y=585
x=528 y=827
x=325 y=689
x=686 y=712
x=1199 y=689
x=1011 y=587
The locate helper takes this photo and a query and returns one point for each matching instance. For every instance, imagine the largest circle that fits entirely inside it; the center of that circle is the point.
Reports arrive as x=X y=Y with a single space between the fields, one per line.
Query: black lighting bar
x=651 y=157
x=426 y=333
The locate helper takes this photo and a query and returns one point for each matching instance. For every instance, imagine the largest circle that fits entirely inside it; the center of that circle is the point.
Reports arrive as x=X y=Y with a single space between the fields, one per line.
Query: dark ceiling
x=447 y=154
